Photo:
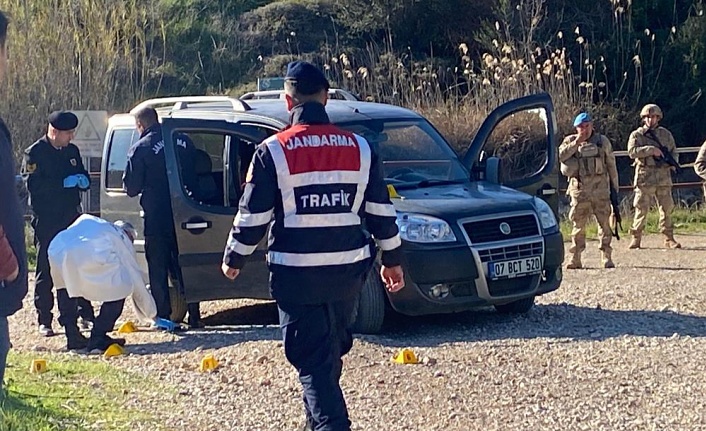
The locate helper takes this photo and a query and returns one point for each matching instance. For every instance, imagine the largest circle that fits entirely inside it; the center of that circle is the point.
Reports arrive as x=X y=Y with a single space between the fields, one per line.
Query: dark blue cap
x=306 y=78
x=583 y=117
x=63 y=120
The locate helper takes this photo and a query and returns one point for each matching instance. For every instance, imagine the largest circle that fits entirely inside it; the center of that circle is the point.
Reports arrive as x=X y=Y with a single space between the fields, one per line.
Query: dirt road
x=621 y=349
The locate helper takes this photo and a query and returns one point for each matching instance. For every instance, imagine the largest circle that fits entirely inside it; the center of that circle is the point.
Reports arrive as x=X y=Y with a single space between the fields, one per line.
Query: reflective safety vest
x=319 y=182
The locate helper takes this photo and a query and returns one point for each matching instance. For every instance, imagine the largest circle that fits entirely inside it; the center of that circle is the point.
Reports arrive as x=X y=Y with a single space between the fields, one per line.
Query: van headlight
x=424 y=228
x=546 y=215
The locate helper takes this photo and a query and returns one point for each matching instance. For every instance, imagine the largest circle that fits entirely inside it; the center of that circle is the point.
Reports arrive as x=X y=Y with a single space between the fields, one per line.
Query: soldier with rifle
x=587 y=160
x=655 y=157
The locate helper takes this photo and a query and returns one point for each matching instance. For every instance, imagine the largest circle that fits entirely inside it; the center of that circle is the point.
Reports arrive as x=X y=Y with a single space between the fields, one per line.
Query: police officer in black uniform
x=55 y=177
x=146 y=173
x=319 y=182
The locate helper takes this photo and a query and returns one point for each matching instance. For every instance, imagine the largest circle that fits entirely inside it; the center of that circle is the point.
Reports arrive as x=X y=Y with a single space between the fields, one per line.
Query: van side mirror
x=493 y=170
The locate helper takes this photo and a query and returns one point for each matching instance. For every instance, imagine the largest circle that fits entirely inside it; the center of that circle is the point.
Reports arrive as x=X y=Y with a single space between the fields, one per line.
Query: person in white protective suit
x=95 y=259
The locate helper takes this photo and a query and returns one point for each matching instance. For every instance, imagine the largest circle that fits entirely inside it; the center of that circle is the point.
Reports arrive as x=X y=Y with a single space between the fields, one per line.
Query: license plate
x=515 y=268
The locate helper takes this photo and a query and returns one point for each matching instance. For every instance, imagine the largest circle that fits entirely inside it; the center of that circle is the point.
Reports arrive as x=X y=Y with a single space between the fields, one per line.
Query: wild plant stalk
x=79 y=54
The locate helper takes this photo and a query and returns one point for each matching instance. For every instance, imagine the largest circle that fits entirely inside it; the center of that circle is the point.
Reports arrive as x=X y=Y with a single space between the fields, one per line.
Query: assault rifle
x=616 y=217
x=666 y=155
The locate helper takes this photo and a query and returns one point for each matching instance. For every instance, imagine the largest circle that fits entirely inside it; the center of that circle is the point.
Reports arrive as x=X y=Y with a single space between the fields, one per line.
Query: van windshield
x=412 y=151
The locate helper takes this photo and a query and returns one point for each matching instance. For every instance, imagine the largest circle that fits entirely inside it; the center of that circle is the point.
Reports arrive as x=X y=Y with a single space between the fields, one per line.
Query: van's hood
x=455 y=201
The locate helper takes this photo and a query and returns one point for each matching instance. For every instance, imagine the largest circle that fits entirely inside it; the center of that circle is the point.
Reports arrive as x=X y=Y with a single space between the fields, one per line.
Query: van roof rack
x=181 y=102
x=334 y=93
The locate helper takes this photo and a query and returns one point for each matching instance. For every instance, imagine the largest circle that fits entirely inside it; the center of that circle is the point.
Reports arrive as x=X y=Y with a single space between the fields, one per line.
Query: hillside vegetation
x=453 y=60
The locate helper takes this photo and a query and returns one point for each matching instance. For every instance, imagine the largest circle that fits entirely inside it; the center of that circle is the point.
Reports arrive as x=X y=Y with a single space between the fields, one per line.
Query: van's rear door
x=115 y=204
x=202 y=228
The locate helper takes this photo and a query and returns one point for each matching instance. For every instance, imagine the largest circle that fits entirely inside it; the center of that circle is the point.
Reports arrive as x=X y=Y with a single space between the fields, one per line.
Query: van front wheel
x=370 y=308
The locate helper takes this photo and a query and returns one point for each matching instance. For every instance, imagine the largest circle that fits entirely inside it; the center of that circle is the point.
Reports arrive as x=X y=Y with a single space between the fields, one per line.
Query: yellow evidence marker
x=113 y=350
x=405 y=356
x=38 y=366
x=127 y=328
x=208 y=363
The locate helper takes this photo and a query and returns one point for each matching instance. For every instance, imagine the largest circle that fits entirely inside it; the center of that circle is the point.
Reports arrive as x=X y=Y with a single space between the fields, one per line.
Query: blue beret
x=307 y=78
x=63 y=120
x=583 y=117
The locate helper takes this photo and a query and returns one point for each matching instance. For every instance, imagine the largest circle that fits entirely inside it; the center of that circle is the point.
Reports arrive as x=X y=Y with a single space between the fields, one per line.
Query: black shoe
x=103 y=342
x=46 y=331
x=119 y=341
x=76 y=341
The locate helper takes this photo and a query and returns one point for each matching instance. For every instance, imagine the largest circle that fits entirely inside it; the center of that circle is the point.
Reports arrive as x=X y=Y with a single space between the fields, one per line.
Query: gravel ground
x=620 y=349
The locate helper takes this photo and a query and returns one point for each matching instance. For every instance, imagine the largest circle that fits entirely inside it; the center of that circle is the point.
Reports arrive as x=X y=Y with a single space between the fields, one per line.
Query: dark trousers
x=68 y=311
x=315 y=339
x=160 y=251
x=44 y=233
x=107 y=316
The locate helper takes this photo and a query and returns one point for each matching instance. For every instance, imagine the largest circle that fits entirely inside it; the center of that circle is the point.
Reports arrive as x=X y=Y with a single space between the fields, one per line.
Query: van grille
x=512 y=252
x=489 y=230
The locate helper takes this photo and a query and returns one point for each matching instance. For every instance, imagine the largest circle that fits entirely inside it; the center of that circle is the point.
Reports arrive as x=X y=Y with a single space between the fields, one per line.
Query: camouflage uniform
x=591 y=170
x=652 y=179
x=700 y=166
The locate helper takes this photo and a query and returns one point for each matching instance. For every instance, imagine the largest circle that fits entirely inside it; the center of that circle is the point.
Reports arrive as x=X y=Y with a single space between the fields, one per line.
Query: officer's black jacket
x=11 y=294
x=146 y=173
x=45 y=168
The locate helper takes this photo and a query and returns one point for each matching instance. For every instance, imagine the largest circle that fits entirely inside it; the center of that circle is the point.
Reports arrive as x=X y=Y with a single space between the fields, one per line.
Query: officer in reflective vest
x=314 y=183
x=55 y=177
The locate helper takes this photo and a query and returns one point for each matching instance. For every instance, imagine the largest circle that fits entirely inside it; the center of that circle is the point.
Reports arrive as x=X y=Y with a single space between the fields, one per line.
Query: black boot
x=102 y=342
x=119 y=341
x=74 y=339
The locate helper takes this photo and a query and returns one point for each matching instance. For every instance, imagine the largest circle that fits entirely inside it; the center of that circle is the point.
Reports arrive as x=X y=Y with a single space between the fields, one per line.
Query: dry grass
x=111 y=54
x=79 y=54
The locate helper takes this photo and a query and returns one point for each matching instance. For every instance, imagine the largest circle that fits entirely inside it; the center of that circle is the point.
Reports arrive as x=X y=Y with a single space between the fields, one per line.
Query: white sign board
x=90 y=133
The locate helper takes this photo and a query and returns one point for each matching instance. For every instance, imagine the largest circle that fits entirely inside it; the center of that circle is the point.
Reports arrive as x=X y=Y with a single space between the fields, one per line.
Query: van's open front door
x=522 y=134
x=204 y=211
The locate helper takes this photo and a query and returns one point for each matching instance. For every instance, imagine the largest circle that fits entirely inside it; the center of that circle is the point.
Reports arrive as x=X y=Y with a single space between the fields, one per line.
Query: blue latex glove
x=83 y=181
x=165 y=324
x=71 y=181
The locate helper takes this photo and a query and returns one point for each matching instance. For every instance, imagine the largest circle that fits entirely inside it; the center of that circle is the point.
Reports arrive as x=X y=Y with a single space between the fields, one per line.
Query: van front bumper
x=460 y=273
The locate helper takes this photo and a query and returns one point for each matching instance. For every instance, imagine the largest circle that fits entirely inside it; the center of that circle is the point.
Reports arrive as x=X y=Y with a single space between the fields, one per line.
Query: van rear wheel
x=178 y=303
x=369 y=311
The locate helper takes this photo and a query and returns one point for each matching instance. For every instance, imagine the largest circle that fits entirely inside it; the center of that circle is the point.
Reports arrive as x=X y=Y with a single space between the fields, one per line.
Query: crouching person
x=95 y=260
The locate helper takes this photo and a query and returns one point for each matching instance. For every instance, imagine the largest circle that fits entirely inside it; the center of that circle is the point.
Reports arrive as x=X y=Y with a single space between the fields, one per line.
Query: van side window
x=213 y=165
x=120 y=142
x=200 y=159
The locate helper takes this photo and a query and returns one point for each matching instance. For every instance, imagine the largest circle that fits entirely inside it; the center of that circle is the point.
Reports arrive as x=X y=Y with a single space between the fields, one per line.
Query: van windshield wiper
x=428 y=183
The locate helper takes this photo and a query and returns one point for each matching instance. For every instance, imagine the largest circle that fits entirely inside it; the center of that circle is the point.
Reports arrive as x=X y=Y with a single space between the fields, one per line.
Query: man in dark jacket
x=13 y=260
x=55 y=178
x=315 y=183
x=146 y=173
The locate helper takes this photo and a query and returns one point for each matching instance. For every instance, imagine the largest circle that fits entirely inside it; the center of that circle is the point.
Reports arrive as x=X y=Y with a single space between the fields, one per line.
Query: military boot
x=669 y=241
x=606 y=259
x=575 y=261
x=636 y=239
x=74 y=339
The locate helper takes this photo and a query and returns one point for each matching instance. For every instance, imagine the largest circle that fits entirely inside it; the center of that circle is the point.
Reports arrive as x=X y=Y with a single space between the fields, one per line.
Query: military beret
x=583 y=117
x=307 y=78
x=63 y=120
